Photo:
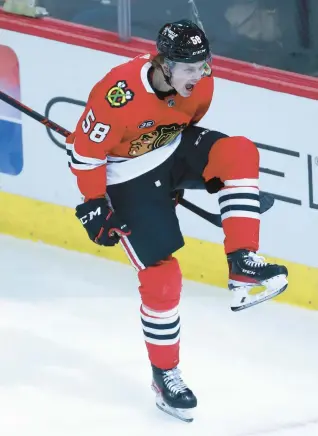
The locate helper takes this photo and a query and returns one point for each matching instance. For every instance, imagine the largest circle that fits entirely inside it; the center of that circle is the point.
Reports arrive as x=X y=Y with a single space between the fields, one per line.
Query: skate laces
x=173 y=381
x=254 y=260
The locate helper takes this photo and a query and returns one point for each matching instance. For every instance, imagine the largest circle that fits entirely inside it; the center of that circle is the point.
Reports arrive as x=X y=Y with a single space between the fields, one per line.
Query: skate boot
x=172 y=394
x=249 y=272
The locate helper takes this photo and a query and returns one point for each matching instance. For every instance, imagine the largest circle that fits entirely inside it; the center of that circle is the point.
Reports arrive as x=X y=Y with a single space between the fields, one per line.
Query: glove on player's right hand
x=101 y=223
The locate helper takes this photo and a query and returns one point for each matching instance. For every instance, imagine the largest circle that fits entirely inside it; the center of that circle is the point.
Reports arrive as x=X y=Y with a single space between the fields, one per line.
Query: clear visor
x=203 y=68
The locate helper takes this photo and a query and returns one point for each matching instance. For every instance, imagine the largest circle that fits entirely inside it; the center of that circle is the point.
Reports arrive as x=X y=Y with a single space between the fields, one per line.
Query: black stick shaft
x=33 y=114
x=208 y=216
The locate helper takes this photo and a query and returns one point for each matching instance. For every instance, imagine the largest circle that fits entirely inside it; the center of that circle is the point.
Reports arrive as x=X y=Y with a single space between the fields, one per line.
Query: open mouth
x=189 y=86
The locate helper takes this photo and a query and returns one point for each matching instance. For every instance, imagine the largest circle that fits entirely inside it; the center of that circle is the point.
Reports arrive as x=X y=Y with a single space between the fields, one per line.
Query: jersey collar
x=144 y=77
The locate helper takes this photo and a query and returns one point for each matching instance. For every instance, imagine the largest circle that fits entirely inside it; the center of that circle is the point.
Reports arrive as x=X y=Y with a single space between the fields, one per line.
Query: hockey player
x=135 y=144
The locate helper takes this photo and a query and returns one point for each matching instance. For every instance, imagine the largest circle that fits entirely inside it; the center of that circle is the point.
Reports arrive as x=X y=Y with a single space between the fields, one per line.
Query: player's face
x=184 y=76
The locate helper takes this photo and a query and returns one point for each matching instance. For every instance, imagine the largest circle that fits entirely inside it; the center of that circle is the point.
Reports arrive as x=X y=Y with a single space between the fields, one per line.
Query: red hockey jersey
x=125 y=120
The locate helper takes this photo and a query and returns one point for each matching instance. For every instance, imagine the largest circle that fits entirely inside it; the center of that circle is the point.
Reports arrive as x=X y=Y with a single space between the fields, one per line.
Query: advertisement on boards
x=11 y=147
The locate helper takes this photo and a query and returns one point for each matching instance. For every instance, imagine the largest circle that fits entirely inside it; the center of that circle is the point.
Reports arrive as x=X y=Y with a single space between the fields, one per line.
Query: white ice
x=73 y=360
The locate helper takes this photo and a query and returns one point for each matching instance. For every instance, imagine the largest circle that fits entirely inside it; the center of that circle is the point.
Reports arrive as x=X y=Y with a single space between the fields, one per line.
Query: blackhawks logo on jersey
x=157 y=138
x=119 y=95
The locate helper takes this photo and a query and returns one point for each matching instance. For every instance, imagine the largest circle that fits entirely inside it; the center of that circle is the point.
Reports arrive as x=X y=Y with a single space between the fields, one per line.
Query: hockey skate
x=172 y=394
x=248 y=273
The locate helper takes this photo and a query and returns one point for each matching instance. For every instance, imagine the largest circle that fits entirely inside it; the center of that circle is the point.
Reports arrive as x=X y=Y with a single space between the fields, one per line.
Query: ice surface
x=73 y=360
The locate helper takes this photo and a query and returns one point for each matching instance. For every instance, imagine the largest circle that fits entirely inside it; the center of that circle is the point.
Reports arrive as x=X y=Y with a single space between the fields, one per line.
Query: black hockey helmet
x=183 y=41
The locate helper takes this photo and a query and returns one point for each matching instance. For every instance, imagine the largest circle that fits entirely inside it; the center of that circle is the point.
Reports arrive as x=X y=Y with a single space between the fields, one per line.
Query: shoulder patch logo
x=119 y=95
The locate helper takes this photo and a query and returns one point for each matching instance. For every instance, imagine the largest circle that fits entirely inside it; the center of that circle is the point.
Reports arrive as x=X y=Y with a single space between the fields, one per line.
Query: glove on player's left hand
x=101 y=223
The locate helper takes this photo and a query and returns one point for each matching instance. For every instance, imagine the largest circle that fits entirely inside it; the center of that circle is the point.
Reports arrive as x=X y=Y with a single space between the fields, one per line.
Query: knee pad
x=241 y=148
x=232 y=158
x=160 y=285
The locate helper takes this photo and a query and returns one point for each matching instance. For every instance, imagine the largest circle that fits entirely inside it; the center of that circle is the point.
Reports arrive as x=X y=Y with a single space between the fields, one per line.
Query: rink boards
x=38 y=192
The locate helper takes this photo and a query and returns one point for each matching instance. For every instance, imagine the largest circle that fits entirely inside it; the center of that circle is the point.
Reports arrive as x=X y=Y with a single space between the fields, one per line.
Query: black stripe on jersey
x=74 y=160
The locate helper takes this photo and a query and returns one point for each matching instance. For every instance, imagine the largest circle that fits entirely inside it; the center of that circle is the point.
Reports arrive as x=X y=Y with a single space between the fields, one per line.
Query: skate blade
x=274 y=287
x=184 y=415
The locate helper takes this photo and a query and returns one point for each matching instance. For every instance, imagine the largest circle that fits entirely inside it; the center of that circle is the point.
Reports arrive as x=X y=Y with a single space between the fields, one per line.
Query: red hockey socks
x=160 y=288
x=235 y=160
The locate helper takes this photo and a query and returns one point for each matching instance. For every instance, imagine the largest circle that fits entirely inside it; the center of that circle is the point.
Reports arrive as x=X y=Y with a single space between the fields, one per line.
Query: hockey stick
x=208 y=216
x=33 y=114
x=266 y=200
